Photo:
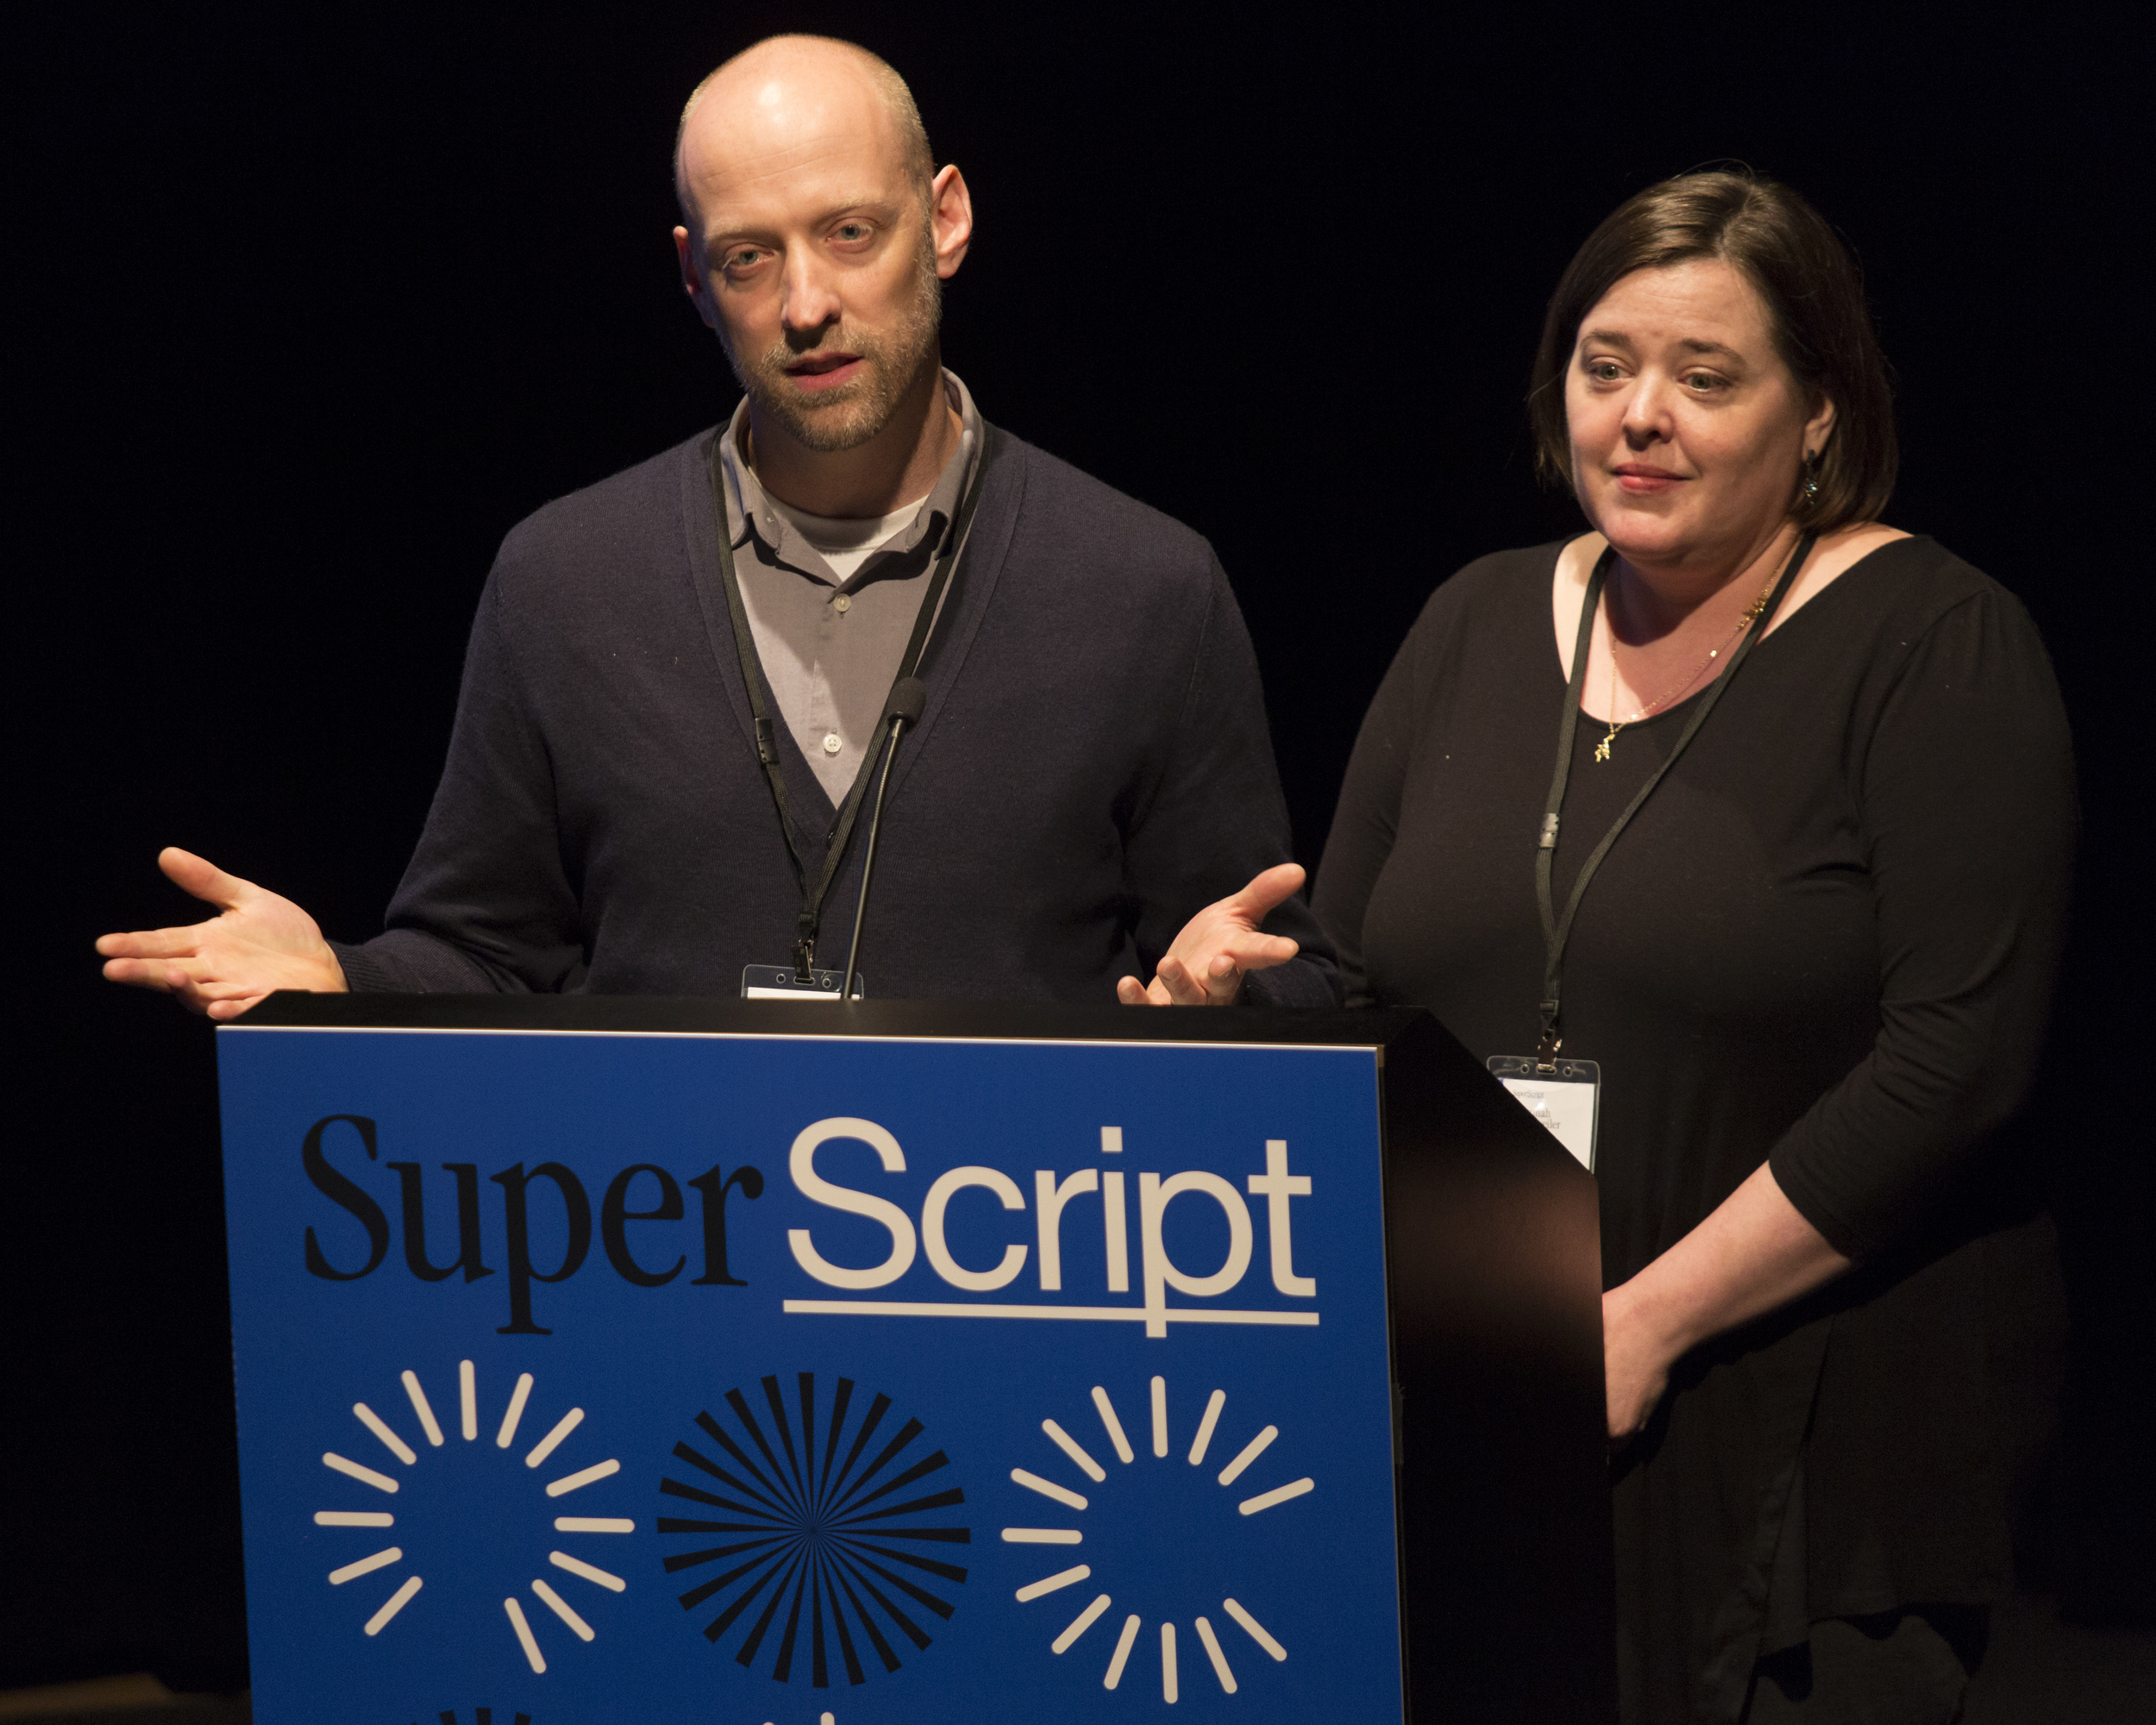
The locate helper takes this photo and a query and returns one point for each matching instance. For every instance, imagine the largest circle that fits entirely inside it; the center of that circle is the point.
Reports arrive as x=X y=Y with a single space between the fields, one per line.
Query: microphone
x=901 y=708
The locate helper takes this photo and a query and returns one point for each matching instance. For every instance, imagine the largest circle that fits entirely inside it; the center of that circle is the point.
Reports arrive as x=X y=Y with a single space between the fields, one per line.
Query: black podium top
x=726 y=1016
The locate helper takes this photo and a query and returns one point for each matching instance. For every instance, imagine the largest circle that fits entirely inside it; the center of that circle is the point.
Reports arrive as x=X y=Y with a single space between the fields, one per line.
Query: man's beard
x=847 y=416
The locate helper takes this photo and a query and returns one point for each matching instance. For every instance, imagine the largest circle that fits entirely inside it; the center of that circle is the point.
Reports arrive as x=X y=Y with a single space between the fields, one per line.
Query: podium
x=611 y=1359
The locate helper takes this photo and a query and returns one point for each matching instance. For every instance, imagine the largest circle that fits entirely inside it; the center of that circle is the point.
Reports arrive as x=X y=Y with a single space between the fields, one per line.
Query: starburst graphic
x=833 y=1536
x=505 y=1437
x=1078 y=1501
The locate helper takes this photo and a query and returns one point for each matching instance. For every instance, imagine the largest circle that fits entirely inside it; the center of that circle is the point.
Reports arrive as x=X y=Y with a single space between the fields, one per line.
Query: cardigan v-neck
x=1092 y=768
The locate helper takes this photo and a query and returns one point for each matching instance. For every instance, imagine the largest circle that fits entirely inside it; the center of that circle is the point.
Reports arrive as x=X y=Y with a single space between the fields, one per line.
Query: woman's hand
x=1755 y=1252
x=1636 y=1361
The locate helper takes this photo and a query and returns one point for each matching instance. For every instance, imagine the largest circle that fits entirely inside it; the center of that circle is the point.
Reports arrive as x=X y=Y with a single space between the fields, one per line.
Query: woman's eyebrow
x=1692 y=344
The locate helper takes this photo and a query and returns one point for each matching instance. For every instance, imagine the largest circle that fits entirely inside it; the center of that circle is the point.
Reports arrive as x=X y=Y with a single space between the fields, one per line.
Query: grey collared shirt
x=831 y=648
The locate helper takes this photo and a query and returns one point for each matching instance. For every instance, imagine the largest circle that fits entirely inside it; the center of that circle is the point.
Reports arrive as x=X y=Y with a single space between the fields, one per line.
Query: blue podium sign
x=810 y=1379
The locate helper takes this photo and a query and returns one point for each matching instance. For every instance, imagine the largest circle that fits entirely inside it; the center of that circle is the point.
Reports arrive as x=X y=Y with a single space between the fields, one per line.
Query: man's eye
x=852 y=230
x=744 y=258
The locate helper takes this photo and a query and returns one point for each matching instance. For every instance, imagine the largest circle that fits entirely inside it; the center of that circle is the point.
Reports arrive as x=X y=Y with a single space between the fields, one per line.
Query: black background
x=307 y=309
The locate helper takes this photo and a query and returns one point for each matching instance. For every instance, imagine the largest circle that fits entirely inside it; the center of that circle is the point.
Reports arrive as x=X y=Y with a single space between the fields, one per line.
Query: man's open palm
x=1219 y=946
x=258 y=942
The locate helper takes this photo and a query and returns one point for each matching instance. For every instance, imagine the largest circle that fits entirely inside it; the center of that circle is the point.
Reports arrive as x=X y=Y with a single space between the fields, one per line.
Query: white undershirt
x=847 y=542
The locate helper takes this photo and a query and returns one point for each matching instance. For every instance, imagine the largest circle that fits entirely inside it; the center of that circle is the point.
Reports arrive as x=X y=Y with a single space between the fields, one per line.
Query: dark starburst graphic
x=830 y=1541
x=482 y=1715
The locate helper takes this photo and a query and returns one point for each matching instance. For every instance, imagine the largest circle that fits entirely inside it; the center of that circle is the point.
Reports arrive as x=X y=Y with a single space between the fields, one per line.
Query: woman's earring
x=1811 y=478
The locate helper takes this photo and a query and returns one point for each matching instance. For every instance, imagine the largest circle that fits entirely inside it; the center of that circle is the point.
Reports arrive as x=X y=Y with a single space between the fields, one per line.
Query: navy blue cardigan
x=1092 y=768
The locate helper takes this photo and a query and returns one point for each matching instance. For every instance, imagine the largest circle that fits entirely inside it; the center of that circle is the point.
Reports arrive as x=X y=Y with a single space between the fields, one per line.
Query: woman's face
x=1688 y=432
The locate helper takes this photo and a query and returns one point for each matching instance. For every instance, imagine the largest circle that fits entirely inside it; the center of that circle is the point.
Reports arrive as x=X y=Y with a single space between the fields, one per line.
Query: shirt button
x=831 y=745
x=842 y=604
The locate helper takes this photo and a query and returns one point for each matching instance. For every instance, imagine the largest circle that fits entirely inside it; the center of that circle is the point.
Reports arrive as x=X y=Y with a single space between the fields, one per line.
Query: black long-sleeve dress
x=1827 y=940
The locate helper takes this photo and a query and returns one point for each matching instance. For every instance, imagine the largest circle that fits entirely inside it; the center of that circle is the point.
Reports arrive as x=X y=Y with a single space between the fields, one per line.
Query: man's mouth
x=817 y=371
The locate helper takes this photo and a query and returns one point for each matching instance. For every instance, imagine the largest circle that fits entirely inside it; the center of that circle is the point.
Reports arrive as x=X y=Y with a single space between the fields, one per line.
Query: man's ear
x=699 y=292
x=950 y=217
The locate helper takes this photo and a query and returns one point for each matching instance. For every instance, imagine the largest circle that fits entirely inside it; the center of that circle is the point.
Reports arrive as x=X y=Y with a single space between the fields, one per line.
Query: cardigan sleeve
x=1964 y=779
x=1215 y=816
x=486 y=905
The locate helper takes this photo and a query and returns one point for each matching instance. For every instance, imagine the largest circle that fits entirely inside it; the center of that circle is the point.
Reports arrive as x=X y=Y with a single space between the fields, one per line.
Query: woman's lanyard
x=812 y=895
x=1557 y=930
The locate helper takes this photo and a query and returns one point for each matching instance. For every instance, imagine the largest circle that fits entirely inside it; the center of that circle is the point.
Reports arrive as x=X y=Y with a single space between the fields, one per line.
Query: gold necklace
x=1751 y=617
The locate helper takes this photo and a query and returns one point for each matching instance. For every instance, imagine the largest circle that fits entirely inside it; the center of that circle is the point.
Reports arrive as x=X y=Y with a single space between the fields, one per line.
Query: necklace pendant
x=1602 y=748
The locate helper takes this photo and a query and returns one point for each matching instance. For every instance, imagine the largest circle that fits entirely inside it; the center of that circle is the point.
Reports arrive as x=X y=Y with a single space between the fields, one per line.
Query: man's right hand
x=258 y=944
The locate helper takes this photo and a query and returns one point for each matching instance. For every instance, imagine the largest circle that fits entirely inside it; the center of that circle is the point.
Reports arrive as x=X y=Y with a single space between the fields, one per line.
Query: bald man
x=677 y=690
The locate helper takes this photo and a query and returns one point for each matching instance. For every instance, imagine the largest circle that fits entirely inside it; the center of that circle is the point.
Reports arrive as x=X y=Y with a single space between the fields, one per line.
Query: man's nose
x=809 y=302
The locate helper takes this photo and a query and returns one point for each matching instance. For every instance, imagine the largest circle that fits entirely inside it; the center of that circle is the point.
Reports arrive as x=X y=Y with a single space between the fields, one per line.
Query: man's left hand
x=1219 y=946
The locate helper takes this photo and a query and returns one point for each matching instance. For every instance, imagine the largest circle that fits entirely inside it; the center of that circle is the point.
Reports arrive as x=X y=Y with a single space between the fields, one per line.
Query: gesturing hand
x=1219 y=946
x=258 y=944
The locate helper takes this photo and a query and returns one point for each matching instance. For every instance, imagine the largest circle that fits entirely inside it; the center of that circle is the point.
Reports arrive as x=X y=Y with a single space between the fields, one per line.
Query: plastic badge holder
x=1566 y=1097
x=778 y=982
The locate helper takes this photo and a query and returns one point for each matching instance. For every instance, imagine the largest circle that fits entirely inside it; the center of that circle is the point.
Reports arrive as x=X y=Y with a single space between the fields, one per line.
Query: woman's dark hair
x=1815 y=307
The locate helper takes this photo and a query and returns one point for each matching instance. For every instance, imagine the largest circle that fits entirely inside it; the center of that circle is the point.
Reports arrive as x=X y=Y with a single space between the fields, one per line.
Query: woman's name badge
x=778 y=982
x=1565 y=1095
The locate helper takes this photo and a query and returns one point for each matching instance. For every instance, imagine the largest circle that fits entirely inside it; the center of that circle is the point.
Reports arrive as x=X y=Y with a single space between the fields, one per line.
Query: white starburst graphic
x=1201 y=1446
x=505 y=1437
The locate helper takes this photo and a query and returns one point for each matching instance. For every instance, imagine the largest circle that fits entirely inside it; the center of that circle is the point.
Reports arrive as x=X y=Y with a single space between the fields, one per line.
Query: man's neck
x=900 y=464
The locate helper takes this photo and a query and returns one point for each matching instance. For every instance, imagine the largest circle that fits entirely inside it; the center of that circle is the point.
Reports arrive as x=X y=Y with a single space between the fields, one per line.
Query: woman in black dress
x=1813 y=968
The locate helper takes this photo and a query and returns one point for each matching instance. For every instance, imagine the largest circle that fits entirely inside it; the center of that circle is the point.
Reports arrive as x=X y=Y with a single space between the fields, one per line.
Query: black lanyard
x=842 y=834
x=1557 y=931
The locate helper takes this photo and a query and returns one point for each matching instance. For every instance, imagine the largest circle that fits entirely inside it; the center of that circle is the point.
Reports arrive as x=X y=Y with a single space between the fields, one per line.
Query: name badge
x=1566 y=1098
x=778 y=982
